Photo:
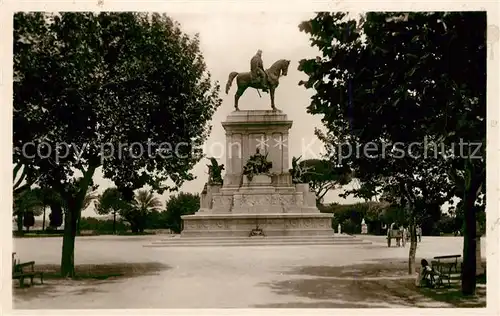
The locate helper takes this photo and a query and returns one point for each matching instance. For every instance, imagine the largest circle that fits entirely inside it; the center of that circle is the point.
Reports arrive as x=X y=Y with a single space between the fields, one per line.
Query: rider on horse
x=257 y=70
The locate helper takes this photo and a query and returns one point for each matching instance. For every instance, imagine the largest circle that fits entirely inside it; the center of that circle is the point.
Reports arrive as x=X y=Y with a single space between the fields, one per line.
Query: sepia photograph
x=250 y=160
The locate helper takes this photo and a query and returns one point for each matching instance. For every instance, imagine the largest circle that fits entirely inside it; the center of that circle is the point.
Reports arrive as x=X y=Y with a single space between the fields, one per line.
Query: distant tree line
x=144 y=212
x=379 y=215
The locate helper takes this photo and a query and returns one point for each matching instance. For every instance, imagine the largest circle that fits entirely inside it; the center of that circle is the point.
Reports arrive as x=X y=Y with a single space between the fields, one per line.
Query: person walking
x=419 y=233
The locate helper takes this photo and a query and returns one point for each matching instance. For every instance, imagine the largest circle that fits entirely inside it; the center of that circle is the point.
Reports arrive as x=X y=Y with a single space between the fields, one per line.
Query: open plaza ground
x=119 y=272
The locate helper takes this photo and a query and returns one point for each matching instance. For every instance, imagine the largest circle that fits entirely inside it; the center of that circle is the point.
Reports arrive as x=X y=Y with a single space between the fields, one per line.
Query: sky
x=228 y=42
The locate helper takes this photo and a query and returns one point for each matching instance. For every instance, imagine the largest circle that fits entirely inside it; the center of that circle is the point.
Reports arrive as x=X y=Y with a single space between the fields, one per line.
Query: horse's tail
x=230 y=80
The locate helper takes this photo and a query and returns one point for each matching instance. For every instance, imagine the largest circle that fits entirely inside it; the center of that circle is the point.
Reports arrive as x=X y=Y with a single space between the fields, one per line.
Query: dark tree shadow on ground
x=88 y=278
x=382 y=284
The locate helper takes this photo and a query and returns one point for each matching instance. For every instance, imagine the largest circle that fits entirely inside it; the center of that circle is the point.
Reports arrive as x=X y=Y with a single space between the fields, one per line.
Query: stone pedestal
x=268 y=202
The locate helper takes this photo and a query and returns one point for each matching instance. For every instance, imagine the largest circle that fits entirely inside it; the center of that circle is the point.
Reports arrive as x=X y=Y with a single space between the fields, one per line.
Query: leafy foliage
x=178 y=205
x=28 y=201
x=56 y=216
x=29 y=220
x=136 y=212
x=102 y=226
x=26 y=206
x=110 y=202
x=324 y=176
x=349 y=216
x=97 y=86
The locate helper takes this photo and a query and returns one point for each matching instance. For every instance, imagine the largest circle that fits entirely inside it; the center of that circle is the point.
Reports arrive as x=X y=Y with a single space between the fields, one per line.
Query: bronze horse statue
x=244 y=80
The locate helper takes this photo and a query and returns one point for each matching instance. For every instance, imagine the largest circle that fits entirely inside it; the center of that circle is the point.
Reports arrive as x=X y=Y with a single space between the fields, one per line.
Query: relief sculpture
x=255 y=200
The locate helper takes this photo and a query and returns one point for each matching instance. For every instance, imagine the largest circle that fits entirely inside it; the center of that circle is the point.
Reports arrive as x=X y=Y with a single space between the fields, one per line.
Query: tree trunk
x=20 y=223
x=75 y=205
x=78 y=217
x=43 y=220
x=413 y=246
x=133 y=228
x=114 y=223
x=479 y=260
x=68 y=247
x=470 y=242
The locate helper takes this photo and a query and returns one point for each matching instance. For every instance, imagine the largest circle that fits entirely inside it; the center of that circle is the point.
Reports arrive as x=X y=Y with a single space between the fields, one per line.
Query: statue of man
x=257 y=69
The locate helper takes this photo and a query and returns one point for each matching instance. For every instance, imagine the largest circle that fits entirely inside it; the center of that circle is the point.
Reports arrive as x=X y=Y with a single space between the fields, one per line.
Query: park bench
x=19 y=271
x=444 y=266
x=450 y=264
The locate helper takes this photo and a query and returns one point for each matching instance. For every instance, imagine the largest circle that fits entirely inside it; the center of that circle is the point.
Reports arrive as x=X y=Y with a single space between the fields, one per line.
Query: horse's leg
x=271 y=92
x=237 y=96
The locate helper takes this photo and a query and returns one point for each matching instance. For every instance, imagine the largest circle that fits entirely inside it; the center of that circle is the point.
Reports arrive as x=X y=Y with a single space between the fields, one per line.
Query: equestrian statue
x=267 y=80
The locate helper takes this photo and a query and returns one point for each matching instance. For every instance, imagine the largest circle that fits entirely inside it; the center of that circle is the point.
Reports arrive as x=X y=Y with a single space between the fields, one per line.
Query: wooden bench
x=452 y=264
x=19 y=272
x=444 y=266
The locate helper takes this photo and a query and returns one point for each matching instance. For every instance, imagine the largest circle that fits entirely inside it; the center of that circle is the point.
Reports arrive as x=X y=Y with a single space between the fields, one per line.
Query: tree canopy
x=26 y=206
x=323 y=176
x=178 y=205
x=110 y=201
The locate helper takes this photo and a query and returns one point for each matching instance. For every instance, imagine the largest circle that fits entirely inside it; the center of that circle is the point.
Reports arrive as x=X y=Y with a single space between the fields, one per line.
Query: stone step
x=257 y=241
x=223 y=238
x=259 y=244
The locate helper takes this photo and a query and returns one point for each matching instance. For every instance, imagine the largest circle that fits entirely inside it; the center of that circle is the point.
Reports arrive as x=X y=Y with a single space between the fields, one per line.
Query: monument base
x=241 y=225
x=267 y=204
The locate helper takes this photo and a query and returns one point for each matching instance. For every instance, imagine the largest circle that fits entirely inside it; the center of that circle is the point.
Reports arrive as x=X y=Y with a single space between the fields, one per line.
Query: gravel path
x=225 y=277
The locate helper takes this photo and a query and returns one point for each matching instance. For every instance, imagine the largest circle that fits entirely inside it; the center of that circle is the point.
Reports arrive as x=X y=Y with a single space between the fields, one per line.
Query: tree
x=323 y=176
x=25 y=200
x=56 y=216
x=50 y=197
x=179 y=205
x=136 y=213
x=412 y=78
x=26 y=206
x=110 y=201
x=156 y=220
x=350 y=216
x=446 y=224
x=29 y=220
x=126 y=92
x=45 y=196
x=364 y=190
